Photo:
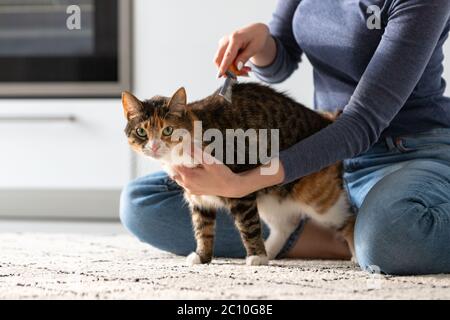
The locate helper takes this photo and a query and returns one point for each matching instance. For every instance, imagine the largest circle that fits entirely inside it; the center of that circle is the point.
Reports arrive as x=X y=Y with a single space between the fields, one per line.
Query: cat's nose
x=154 y=146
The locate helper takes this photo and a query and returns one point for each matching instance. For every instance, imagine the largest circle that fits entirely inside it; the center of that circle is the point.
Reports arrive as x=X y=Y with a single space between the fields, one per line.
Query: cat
x=320 y=196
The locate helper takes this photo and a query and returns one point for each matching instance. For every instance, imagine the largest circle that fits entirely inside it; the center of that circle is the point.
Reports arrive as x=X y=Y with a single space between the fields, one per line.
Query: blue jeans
x=400 y=189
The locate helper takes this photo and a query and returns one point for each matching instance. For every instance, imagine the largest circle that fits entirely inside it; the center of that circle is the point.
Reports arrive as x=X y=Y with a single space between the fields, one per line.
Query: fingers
x=184 y=177
x=184 y=174
x=237 y=48
x=209 y=160
x=181 y=172
x=180 y=176
x=223 y=44
x=232 y=49
x=234 y=45
x=197 y=154
x=203 y=158
x=243 y=57
x=175 y=175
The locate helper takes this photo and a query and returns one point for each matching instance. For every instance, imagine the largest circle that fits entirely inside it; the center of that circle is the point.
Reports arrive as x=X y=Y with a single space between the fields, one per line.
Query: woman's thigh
x=403 y=224
x=154 y=210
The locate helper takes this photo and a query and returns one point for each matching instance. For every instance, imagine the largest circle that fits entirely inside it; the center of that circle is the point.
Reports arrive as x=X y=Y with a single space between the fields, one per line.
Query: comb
x=230 y=79
x=226 y=91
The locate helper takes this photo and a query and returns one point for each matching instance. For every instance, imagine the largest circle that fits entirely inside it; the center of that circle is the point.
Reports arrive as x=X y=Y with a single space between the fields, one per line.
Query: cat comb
x=226 y=90
x=230 y=79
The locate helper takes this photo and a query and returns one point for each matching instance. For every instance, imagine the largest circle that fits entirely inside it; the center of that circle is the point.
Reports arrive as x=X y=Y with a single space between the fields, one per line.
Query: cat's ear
x=132 y=106
x=177 y=103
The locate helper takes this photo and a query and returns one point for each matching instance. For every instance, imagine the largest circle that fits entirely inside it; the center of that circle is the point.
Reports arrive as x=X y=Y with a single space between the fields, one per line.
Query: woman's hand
x=252 y=42
x=210 y=179
x=216 y=179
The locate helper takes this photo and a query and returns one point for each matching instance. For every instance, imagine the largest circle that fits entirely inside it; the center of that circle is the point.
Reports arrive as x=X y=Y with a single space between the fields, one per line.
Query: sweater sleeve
x=288 y=52
x=410 y=36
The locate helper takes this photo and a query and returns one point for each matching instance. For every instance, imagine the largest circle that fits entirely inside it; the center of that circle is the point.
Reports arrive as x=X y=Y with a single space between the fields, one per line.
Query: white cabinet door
x=63 y=144
x=62 y=158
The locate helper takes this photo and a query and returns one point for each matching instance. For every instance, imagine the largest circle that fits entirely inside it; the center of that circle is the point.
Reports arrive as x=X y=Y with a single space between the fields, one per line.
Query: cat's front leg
x=246 y=218
x=282 y=219
x=281 y=227
x=203 y=220
x=275 y=242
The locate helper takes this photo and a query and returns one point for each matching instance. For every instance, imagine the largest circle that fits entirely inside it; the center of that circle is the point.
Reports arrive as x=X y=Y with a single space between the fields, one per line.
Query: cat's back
x=256 y=106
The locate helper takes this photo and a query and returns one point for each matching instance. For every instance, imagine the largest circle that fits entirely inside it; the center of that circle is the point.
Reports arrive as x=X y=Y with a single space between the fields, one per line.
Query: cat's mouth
x=154 y=155
x=157 y=154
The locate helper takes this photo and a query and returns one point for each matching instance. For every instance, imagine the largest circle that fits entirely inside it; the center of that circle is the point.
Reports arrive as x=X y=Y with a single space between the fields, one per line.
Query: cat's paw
x=257 y=260
x=271 y=254
x=354 y=260
x=193 y=259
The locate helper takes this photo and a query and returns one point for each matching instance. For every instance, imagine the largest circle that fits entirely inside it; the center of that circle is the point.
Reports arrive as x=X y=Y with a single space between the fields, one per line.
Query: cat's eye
x=141 y=132
x=167 y=131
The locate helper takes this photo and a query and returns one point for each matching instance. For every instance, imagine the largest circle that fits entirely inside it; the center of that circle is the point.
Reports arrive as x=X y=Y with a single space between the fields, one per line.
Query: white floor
x=90 y=266
x=98 y=260
x=65 y=227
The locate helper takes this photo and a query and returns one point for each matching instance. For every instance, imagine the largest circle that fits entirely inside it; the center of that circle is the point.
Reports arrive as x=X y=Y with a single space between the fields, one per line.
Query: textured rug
x=45 y=266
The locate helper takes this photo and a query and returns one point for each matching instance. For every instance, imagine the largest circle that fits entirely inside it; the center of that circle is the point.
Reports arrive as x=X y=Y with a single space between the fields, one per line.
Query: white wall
x=175 y=42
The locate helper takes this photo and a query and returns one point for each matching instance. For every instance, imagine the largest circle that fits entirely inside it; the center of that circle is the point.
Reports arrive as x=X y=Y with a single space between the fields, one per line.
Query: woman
x=382 y=65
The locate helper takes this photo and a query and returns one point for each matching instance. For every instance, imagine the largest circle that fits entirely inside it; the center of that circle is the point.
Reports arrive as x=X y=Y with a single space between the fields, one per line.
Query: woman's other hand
x=253 y=42
x=216 y=179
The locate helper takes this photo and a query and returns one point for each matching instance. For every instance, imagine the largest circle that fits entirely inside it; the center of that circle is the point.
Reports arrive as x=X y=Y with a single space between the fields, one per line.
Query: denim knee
x=152 y=208
x=375 y=244
x=130 y=208
x=398 y=225
x=140 y=206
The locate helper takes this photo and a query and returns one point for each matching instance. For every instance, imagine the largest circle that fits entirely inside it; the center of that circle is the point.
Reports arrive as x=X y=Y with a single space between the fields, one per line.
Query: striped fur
x=320 y=196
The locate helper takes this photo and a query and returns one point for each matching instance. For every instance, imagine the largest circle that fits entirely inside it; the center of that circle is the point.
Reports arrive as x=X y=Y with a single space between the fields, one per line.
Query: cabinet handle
x=38 y=118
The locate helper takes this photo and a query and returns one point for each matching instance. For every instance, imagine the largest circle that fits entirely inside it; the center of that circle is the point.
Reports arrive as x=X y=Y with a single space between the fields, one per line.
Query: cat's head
x=152 y=123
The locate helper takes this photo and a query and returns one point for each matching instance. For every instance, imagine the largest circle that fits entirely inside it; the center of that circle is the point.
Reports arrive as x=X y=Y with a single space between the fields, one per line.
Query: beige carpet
x=41 y=266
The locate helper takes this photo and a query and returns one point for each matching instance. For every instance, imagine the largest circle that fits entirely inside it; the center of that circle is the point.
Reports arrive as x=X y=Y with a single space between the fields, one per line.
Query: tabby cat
x=320 y=196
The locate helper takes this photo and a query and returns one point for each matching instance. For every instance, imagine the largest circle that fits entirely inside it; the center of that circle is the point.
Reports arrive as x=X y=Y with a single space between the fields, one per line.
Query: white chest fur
x=283 y=216
x=205 y=201
x=272 y=209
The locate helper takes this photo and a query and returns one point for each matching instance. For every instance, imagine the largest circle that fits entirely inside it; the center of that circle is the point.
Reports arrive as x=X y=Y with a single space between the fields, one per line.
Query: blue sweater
x=386 y=78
